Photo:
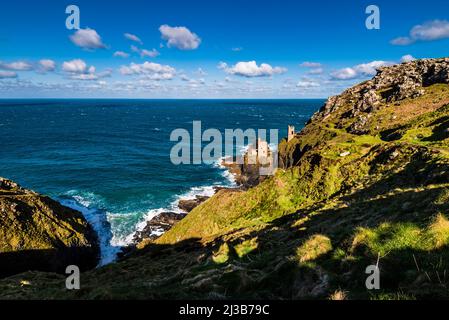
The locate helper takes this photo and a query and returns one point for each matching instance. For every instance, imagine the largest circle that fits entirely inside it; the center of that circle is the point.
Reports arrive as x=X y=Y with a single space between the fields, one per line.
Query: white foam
x=225 y=173
x=123 y=241
x=172 y=207
x=99 y=223
x=110 y=242
x=207 y=191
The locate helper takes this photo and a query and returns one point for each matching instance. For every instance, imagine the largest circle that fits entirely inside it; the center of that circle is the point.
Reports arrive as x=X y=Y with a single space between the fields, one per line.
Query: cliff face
x=365 y=182
x=390 y=86
x=37 y=233
x=396 y=95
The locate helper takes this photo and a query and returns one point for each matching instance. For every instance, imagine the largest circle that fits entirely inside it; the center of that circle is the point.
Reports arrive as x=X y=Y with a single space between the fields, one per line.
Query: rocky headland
x=38 y=233
x=365 y=182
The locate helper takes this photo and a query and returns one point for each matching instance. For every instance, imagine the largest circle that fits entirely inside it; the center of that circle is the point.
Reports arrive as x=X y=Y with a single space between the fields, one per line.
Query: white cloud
x=133 y=37
x=121 y=54
x=147 y=53
x=251 y=69
x=7 y=74
x=201 y=72
x=428 y=31
x=47 y=65
x=361 y=70
x=237 y=49
x=307 y=83
x=407 y=58
x=87 y=39
x=91 y=75
x=77 y=69
x=433 y=30
x=160 y=76
x=315 y=71
x=195 y=83
x=344 y=74
x=17 y=87
x=105 y=74
x=151 y=70
x=84 y=76
x=402 y=41
x=16 y=66
x=76 y=66
x=135 y=49
x=370 y=69
x=308 y=64
x=222 y=65
x=315 y=67
x=179 y=37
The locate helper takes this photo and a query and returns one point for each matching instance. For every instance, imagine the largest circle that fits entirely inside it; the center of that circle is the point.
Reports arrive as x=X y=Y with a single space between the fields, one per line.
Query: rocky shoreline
x=167 y=219
x=246 y=176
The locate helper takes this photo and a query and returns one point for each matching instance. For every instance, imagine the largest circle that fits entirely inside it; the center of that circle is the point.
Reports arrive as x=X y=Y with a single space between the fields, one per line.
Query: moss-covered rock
x=37 y=233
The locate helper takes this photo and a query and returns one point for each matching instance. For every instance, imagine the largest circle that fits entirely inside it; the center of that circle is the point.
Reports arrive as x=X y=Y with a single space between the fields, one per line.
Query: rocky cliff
x=390 y=86
x=394 y=96
x=366 y=182
x=37 y=233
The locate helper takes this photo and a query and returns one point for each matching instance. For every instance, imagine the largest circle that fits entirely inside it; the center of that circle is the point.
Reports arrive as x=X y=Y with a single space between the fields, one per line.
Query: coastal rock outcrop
x=38 y=233
x=391 y=85
x=245 y=175
x=188 y=205
x=157 y=226
x=164 y=221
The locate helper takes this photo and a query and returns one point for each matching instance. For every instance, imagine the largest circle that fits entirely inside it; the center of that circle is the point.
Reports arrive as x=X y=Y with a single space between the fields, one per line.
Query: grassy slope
x=312 y=229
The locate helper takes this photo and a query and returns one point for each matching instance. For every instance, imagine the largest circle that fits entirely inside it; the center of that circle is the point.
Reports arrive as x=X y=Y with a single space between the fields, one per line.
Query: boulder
x=190 y=204
x=158 y=225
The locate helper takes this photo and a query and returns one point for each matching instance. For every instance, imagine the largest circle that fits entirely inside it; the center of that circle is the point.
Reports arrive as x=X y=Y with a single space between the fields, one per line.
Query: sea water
x=110 y=159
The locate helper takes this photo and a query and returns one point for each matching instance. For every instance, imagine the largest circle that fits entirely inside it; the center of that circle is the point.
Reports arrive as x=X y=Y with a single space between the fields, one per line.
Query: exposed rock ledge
x=190 y=204
x=158 y=225
x=38 y=233
x=166 y=220
x=246 y=175
x=390 y=85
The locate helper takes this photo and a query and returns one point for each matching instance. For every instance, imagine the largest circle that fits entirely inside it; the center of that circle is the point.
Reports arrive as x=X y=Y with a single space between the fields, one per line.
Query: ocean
x=110 y=159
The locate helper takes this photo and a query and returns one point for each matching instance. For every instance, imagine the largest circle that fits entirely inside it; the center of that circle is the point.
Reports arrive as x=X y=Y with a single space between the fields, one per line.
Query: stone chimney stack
x=291 y=133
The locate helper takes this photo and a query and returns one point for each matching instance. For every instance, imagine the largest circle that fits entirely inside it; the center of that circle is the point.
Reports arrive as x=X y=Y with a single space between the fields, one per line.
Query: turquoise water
x=110 y=159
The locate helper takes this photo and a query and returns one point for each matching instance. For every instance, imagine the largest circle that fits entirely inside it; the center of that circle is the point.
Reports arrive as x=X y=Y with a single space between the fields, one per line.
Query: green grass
x=314 y=247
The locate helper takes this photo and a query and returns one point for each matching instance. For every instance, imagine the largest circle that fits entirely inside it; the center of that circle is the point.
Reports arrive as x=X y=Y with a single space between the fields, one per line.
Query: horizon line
x=5 y=99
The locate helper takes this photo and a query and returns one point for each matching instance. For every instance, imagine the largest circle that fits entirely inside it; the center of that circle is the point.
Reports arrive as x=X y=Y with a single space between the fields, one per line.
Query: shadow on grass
x=263 y=262
x=49 y=260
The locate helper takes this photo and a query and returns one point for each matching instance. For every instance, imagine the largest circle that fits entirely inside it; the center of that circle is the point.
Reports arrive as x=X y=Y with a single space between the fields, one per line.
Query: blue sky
x=209 y=49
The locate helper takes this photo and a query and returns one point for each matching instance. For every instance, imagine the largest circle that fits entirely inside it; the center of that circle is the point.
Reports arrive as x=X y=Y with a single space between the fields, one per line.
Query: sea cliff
x=366 y=182
x=38 y=233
